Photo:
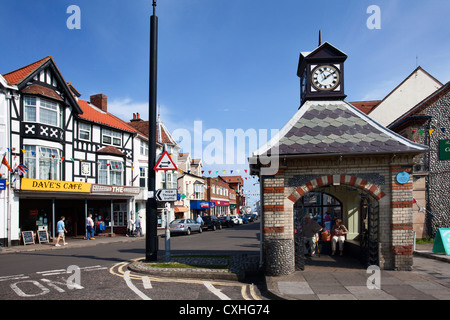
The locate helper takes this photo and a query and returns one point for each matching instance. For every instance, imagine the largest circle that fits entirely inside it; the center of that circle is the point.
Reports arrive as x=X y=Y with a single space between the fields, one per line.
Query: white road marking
x=216 y=291
x=130 y=285
x=147 y=283
x=16 y=277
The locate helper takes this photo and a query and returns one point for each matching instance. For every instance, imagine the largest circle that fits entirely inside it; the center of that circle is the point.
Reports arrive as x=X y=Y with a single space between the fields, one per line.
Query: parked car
x=236 y=219
x=211 y=222
x=185 y=226
x=249 y=217
x=226 y=221
x=244 y=219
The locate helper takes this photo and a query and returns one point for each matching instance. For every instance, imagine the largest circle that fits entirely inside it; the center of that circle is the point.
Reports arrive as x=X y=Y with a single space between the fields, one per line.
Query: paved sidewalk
x=341 y=278
x=73 y=242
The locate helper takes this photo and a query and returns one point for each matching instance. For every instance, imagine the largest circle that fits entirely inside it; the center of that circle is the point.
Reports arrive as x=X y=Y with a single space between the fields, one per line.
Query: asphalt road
x=100 y=273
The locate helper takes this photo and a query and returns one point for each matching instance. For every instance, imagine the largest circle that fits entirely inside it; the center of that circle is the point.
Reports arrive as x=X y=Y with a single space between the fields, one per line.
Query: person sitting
x=338 y=235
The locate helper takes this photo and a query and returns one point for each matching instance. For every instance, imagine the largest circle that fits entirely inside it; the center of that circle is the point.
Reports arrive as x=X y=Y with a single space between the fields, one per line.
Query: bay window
x=42 y=111
x=110 y=172
x=43 y=163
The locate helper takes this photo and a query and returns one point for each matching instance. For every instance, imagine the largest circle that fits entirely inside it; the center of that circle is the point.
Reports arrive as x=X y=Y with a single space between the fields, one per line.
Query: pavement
x=324 y=278
x=342 y=278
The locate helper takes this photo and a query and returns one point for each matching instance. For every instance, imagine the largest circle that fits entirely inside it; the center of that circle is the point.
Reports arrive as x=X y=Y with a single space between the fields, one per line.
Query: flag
x=134 y=179
x=5 y=162
x=21 y=169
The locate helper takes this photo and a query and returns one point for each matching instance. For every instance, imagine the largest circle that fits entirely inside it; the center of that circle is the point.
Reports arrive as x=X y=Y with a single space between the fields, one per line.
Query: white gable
x=413 y=90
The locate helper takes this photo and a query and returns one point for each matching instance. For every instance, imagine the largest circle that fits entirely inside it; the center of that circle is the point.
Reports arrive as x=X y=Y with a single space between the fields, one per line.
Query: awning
x=181 y=209
x=200 y=204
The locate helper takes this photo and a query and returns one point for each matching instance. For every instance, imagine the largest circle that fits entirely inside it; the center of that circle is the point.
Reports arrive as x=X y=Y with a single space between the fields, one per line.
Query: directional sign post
x=167 y=195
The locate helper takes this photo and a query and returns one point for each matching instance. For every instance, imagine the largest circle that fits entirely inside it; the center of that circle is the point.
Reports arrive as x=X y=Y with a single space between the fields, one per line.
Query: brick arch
x=342 y=179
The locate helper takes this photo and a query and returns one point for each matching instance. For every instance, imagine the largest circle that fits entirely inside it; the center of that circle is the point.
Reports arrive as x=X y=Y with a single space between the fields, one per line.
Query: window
x=144 y=148
x=42 y=111
x=142 y=177
x=43 y=163
x=112 y=137
x=110 y=173
x=84 y=131
x=30 y=109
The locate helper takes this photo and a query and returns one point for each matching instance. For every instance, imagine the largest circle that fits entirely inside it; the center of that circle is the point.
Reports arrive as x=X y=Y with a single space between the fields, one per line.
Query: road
x=100 y=273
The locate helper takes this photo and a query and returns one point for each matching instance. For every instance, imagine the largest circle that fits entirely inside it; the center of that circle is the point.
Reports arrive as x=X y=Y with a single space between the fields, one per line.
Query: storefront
x=199 y=207
x=221 y=207
x=43 y=202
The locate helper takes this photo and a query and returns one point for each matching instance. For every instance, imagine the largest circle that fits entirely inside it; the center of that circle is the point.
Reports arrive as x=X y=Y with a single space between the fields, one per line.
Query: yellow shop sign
x=56 y=186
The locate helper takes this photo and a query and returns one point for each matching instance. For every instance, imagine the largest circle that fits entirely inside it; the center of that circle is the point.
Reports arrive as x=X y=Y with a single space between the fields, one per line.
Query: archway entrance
x=359 y=212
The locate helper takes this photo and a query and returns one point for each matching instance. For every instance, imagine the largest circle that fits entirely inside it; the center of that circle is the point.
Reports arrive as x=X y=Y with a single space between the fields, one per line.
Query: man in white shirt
x=89 y=227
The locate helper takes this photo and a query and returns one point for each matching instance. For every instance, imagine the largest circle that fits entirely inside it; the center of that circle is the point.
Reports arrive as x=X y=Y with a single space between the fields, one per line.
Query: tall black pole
x=151 y=242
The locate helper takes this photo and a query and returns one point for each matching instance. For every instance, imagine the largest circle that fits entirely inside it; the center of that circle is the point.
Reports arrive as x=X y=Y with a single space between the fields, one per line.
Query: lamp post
x=151 y=241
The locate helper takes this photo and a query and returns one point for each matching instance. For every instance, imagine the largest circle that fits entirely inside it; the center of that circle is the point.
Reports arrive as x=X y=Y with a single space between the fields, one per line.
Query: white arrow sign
x=165 y=163
x=167 y=195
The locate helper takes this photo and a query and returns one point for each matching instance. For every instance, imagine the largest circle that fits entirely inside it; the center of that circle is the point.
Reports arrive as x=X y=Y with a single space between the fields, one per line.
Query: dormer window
x=42 y=111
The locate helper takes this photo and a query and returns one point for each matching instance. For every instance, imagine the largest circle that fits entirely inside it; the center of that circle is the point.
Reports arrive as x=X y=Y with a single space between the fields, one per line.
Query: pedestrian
x=199 y=220
x=130 y=227
x=310 y=229
x=89 y=227
x=338 y=234
x=61 y=229
x=139 y=226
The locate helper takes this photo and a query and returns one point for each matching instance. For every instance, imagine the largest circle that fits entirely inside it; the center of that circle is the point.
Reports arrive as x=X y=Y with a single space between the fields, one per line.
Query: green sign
x=442 y=241
x=444 y=149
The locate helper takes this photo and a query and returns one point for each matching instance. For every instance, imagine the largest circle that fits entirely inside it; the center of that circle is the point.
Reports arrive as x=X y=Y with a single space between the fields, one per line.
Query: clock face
x=325 y=78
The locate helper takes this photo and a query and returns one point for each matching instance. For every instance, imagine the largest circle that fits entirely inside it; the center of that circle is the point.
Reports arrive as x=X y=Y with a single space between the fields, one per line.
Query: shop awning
x=181 y=209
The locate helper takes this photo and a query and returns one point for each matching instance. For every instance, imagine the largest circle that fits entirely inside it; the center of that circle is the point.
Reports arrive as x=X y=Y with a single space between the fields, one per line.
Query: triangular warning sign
x=165 y=163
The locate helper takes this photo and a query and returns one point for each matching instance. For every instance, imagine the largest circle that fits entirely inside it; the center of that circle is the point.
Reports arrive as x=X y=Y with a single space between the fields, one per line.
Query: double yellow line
x=118 y=270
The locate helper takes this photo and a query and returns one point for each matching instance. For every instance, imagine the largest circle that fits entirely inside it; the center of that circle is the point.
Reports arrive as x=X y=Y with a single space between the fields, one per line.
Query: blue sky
x=228 y=63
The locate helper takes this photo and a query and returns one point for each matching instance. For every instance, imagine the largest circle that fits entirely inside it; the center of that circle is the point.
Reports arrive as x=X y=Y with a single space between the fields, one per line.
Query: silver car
x=185 y=226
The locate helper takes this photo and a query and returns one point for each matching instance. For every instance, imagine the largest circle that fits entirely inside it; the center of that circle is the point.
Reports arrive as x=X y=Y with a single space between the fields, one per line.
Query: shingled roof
x=335 y=128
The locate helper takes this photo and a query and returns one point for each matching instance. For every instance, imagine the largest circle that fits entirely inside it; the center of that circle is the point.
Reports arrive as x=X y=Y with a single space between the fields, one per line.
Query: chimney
x=100 y=101
x=136 y=117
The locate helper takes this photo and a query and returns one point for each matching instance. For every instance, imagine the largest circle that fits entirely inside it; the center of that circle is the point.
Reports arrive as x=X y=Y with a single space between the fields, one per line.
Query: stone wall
x=437 y=180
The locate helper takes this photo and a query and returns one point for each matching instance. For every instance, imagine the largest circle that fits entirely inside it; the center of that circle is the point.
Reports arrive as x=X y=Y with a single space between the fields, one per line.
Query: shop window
x=110 y=172
x=120 y=214
x=43 y=163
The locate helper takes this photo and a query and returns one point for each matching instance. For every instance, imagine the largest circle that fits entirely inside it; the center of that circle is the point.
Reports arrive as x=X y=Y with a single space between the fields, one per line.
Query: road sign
x=167 y=195
x=165 y=163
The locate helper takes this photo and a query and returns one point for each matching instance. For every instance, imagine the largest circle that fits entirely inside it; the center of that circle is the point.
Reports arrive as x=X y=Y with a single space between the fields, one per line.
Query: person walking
x=338 y=235
x=130 y=227
x=61 y=229
x=310 y=228
x=139 y=227
x=89 y=227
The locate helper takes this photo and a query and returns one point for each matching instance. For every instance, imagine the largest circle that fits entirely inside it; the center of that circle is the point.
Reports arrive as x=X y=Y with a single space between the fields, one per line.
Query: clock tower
x=321 y=74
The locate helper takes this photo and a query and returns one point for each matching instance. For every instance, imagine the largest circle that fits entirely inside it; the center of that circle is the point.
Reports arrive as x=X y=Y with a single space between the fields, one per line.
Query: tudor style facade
x=79 y=156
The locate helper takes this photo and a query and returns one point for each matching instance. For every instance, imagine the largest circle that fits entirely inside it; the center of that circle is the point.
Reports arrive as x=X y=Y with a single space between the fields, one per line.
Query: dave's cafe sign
x=444 y=149
x=55 y=186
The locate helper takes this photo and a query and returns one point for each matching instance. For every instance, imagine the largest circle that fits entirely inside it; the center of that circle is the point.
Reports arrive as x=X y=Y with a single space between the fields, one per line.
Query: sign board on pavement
x=442 y=241
x=167 y=195
x=165 y=163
